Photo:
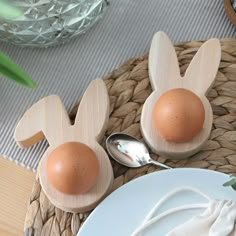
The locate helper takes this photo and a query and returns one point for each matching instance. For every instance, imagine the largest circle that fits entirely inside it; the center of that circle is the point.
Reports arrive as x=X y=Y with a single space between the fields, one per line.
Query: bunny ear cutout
x=93 y=112
x=163 y=64
x=44 y=119
x=203 y=68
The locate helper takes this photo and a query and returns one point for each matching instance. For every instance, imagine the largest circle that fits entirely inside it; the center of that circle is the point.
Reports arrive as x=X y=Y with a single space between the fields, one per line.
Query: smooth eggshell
x=72 y=168
x=179 y=115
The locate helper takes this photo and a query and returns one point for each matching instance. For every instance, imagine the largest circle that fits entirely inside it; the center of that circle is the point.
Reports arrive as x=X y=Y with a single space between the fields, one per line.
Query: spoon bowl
x=129 y=151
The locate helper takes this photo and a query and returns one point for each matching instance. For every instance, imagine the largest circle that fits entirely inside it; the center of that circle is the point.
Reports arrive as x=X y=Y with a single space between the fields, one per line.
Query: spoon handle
x=160 y=164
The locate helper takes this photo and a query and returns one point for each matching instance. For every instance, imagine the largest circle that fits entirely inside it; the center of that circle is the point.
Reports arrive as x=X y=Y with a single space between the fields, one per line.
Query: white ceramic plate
x=123 y=211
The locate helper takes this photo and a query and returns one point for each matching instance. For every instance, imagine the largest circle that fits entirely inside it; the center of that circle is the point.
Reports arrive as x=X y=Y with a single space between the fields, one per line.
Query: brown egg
x=72 y=168
x=179 y=115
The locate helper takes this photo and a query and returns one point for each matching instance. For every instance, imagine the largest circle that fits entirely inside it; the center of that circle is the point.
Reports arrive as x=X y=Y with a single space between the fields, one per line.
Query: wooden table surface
x=16 y=184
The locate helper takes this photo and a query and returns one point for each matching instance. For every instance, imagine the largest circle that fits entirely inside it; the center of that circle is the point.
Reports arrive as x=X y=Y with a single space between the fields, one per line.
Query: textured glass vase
x=51 y=22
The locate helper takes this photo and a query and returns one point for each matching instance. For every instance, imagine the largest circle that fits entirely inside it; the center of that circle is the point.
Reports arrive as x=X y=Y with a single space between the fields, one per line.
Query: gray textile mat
x=125 y=31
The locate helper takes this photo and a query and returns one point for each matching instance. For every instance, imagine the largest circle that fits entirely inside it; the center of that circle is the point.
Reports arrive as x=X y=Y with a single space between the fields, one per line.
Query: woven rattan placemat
x=128 y=88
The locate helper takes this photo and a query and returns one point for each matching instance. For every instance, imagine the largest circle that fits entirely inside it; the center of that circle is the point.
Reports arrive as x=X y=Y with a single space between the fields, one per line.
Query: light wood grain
x=49 y=117
x=16 y=185
x=165 y=75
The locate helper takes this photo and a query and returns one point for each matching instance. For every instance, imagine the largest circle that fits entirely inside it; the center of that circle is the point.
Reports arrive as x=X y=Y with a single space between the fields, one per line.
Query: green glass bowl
x=50 y=22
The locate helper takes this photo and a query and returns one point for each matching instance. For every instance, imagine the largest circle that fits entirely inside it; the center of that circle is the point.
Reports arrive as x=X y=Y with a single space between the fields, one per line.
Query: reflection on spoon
x=129 y=151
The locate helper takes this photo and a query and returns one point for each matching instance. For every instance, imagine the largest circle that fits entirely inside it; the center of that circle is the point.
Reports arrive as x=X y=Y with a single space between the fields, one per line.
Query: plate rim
x=159 y=172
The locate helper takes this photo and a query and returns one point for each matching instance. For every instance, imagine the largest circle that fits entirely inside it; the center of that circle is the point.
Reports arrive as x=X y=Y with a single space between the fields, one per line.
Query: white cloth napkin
x=218 y=218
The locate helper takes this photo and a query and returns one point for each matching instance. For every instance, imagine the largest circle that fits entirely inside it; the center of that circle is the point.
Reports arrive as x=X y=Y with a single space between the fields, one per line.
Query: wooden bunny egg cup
x=164 y=73
x=49 y=119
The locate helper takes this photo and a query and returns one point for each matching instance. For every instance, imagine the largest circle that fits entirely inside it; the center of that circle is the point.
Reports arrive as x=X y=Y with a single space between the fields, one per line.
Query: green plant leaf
x=8 y=11
x=231 y=183
x=14 y=72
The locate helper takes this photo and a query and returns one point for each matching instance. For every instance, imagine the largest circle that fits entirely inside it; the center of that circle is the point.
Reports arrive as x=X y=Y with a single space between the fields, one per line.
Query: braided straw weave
x=128 y=88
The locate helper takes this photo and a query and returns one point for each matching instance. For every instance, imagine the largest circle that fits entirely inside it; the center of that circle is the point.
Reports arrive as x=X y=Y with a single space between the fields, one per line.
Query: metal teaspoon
x=129 y=151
